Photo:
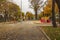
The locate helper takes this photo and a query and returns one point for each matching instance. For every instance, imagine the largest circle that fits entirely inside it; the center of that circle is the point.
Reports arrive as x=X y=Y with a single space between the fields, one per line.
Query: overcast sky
x=25 y=5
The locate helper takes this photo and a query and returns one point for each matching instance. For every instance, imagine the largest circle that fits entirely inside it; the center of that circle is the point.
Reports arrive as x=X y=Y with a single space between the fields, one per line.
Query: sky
x=25 y=5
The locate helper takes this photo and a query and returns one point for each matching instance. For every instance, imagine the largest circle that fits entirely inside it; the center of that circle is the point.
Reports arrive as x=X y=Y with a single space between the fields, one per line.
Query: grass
x=53 y=33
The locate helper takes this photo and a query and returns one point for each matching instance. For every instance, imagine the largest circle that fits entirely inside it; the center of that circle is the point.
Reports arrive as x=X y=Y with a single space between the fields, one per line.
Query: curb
x=48 y=38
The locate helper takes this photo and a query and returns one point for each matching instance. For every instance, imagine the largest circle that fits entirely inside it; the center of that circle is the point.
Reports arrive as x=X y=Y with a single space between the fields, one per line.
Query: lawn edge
x=48 y=38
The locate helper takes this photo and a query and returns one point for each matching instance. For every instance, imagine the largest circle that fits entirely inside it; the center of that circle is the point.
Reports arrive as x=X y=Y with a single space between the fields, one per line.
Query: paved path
x=21 y=31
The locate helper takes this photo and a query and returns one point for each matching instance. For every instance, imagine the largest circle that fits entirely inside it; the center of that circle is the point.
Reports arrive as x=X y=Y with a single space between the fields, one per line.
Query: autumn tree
x=23 y=16
x=58 y=4
x=51 y=9
x=9 y=10
x=1 y=6
x=36 y=5
x=29 y=16
x=14 y=10
x=40 y=15
x=48 y=8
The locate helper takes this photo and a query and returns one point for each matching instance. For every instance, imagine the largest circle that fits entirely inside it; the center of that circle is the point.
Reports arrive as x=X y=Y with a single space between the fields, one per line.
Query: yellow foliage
x=48 y=8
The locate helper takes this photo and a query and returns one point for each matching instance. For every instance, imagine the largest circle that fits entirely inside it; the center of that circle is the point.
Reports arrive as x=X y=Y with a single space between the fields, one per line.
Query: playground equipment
x=45 y=20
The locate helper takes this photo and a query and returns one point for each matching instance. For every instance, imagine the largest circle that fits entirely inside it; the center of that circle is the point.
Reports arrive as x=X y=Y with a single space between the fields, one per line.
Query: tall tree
x=9 y=10
x=58 y=3
x=29 y=16
x=36 y=5
x=48 y=8
x=53 y=14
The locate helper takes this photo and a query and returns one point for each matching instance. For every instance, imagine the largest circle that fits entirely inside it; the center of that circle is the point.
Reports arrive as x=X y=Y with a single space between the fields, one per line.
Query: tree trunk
x=36 y=15
x=53 y=14
x=59 y=16
x=5 y=16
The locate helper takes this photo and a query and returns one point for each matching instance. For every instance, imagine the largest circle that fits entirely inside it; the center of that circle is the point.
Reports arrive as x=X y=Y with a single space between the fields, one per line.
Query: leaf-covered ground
x=20 y=31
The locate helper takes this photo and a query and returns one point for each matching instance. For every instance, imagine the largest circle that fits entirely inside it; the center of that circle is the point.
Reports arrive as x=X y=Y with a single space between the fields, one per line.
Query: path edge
x=48 y=38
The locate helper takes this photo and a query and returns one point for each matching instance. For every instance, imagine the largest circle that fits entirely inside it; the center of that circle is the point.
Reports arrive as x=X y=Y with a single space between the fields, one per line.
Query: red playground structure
x=43 y=20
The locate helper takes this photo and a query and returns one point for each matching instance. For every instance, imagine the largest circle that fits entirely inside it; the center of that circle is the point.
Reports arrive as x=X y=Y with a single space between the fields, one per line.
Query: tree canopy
x=37 y=5
x=10 y=9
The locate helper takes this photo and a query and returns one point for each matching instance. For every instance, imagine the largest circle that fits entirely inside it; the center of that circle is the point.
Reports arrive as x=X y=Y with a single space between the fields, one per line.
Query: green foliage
x=14 y=9
x=10 y=10
x=2 y=0
x=23 y=14
x=29 y=16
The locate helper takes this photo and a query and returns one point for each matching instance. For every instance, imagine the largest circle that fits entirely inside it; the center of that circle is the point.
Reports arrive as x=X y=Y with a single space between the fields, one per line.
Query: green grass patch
x=53 y=33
